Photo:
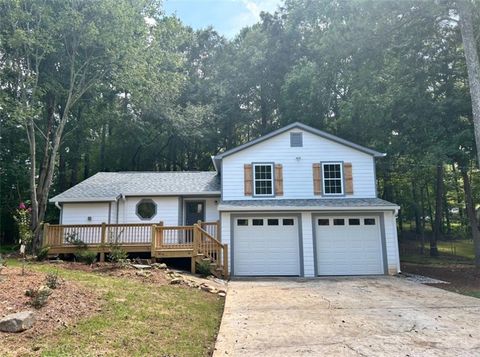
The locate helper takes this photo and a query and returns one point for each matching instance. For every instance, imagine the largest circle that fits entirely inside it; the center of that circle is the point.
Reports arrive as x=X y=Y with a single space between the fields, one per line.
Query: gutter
x=306 y=208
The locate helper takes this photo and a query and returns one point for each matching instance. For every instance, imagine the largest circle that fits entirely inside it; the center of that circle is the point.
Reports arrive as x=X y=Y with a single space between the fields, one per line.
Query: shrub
x=51 y=280
x=43 y=253
x=38 y=297
x=117 y=254
x=86 y=256
x=203 y=268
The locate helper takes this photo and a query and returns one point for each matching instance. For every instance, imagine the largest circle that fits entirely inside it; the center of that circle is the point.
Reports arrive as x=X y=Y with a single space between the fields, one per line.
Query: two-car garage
x=271 y=245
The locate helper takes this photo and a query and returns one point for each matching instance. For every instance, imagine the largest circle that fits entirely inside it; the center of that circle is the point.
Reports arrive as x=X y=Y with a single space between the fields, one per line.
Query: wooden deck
x=199 y=242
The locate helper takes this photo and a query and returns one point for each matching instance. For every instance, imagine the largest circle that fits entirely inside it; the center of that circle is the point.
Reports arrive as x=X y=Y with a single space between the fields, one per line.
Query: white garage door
x=266 y=246
x=349 y=245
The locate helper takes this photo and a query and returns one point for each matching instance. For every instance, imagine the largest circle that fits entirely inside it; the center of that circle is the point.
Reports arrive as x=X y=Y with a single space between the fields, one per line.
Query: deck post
x=104 y=239
x=196 y=239
x=153 y=241
x=219 y=233
x=225 y=261
x=45 y=234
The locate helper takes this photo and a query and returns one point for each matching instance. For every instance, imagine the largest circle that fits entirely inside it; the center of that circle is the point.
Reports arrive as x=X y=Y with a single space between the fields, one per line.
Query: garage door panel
x=353 y=248
x=266 y=249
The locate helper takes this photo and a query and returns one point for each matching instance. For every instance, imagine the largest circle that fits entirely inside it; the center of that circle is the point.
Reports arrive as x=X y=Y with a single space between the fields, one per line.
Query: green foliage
x=38 y=297
x=86 y=256
x=51 y=280
x=117 y=253
x=204 y=268
x=42 y=254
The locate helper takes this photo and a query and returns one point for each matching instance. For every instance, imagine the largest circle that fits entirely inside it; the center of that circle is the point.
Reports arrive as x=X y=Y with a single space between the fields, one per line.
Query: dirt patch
x=65 y=306
x=462 y=278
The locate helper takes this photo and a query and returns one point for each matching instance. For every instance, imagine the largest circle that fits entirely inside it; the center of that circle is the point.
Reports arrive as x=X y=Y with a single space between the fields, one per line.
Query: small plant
x=117 y=254
x=203 y=268
x=43 y=253
x=51 y=280
x=23 y=218
x=86 y=256
x=38 y=297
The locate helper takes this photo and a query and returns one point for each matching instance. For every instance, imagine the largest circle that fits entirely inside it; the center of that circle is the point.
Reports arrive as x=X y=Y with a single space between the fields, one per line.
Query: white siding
x=78 y=213
x=393 y=258
x=167 y=210
x=297 y=174
x=308 y=256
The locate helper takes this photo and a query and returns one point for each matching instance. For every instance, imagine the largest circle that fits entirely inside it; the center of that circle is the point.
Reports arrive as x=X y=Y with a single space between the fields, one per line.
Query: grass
x=138 y=319
x=458 y=252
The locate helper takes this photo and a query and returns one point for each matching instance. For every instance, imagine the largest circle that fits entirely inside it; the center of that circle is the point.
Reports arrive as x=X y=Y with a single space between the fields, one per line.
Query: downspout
x=61 y=212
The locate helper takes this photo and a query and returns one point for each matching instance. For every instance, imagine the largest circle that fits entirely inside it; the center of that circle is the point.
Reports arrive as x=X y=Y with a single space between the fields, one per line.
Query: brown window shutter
x=347 y=171
x=317 y=179
x=278 y=180
x=248 y=179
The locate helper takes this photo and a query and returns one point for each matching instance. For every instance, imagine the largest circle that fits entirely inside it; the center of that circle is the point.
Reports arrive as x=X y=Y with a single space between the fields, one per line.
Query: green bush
x=38 y=297
x=51 y=280
x=86 y=256
x=117 y=254
x=203 y=268
x=43 y=253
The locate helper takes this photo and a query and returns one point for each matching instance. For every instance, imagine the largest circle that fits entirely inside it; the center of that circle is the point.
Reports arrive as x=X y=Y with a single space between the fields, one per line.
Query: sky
x=225 y=16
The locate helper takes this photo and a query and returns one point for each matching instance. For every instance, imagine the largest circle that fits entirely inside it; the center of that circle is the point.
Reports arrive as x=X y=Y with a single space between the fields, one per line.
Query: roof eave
x=307 y=208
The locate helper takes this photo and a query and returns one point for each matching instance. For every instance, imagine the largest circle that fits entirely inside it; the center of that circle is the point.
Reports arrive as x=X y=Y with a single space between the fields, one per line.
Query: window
x=263 y=179
x=323 y=222
x=338 y=222
x=272 y=222
x=296 y=140
x=146 y=209
x=287 y=222
x=354 y=221
x=257 y=222
x=332 y=178
x=369 y=221
x=242 y=222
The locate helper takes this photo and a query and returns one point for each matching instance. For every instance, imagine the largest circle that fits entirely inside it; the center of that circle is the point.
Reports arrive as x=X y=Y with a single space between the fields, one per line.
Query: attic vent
x=296 y=140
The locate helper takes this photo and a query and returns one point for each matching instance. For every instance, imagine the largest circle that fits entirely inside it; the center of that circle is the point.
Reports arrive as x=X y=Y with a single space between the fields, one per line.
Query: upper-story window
x=263 y=179
x=332 y=178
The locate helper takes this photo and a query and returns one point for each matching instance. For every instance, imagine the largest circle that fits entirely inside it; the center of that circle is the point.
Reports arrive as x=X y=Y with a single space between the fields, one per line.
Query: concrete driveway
x=376 y=316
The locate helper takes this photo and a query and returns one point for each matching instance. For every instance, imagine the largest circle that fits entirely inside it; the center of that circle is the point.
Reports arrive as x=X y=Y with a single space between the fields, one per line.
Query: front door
x=194 y=212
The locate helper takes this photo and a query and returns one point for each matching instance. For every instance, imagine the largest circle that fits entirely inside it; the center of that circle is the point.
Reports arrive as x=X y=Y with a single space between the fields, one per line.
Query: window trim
x=342 y=178
x=254 y=181
x=146 y=200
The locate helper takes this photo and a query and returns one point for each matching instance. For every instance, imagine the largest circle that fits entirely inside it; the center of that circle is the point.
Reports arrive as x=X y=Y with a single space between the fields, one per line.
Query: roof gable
x=304 y=127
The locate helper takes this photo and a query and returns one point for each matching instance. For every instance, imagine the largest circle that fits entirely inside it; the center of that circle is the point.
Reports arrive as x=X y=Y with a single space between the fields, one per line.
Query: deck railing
x=97 y=234
x=195 y=238
x=201 y=240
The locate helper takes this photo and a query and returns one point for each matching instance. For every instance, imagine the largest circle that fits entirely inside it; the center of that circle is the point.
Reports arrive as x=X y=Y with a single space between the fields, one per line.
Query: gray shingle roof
x=310 y=203
x=108 y=186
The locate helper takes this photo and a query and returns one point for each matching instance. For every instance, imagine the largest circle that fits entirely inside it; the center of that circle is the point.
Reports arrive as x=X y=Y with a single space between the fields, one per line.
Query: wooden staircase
x=191 y=241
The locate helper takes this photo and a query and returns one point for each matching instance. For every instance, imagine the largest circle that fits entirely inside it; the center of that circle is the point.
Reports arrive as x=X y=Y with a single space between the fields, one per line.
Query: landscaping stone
x=141 y=266
x=222 y=294
x=18 y=322
x=159 y=265
x=176 y=281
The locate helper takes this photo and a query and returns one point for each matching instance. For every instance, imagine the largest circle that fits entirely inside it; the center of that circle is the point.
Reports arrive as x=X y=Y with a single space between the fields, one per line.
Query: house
x=295 y=202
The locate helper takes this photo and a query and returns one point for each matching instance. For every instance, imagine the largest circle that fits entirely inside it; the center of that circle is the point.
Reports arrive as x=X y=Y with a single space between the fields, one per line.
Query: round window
x=146 y=209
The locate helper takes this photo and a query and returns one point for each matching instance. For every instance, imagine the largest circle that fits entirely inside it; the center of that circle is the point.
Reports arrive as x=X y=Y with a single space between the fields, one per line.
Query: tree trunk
x=422 y=223
x=471 y=214
x=437 y=227
x=416 y=209
x=465 y=10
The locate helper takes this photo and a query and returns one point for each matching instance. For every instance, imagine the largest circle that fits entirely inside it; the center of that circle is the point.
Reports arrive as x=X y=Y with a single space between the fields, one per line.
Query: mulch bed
x=155 y=276
x=68 y=303
x=462 y=278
